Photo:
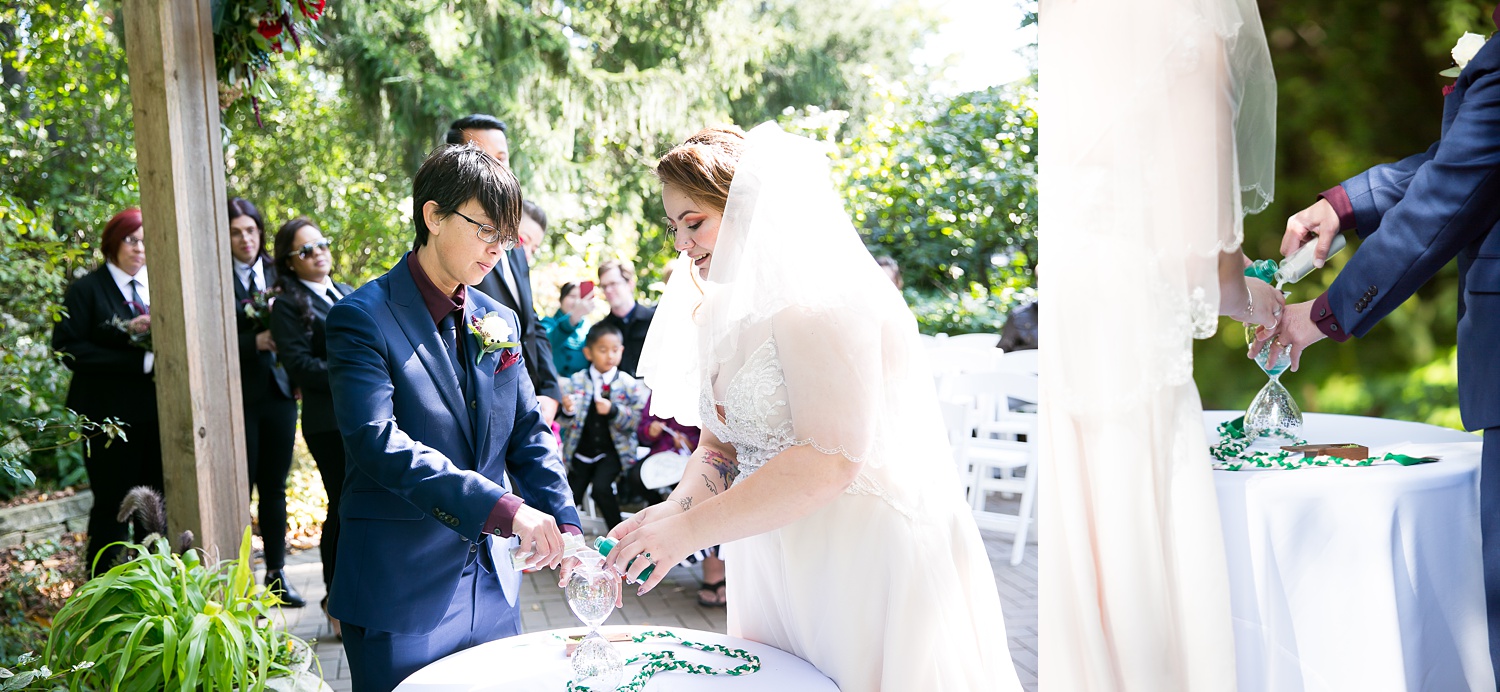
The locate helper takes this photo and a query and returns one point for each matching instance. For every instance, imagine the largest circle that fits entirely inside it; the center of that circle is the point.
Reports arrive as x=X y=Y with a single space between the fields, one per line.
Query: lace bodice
x=756 y=419
x=758 y=423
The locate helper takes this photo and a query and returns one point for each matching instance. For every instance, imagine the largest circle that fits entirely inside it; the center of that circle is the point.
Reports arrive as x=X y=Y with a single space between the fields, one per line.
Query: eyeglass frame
x=308 y=249
x=506 y=244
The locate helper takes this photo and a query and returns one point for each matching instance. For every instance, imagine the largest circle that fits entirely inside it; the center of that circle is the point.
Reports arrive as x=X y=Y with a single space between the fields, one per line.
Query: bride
x=1142 y=203
x=824 y=467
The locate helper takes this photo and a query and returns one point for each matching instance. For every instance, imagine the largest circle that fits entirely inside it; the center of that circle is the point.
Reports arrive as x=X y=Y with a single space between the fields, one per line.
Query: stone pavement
x=673 y=603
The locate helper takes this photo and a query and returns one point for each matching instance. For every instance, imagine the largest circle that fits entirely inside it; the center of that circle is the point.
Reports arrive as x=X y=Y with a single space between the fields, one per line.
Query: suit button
x=1322 y=313
x=1374 y=288
x=473 y=548
x=473 y=403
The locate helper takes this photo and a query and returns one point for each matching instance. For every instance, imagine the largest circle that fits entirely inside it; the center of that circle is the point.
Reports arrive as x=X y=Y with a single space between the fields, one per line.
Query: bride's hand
x=656 y=512
x=1265 y=306
x=660 y=543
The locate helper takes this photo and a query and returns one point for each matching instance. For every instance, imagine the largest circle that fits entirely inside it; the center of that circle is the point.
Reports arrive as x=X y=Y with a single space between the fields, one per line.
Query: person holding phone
x=566 y=330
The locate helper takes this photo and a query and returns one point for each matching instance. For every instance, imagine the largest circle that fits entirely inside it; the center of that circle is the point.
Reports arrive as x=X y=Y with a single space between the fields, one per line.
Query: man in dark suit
x=438 y=419
x=510 y=281
x=617 y=280
x=1428 y=209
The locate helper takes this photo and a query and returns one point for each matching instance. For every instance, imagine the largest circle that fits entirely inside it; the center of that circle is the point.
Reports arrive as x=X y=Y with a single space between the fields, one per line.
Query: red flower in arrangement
x=1448 y=90
x=270 y=29
x=312 y=9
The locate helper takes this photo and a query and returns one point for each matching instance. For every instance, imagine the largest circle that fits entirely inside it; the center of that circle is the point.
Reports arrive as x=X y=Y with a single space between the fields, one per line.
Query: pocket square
x=507 y=359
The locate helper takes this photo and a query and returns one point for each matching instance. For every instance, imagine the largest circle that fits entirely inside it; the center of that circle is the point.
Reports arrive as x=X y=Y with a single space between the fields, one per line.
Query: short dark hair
x=562 y=293
x=531 y=209
x=453 y=175
x=601 y=330
x=477 y=121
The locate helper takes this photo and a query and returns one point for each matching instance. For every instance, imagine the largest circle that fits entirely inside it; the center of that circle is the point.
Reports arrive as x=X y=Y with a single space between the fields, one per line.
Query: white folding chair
x=974 y=341
x=1022 y=362
x=995 y=446
x=983 y=456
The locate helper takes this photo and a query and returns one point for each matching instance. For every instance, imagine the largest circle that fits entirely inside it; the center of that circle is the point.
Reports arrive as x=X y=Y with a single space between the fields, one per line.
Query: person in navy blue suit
x=436 y=427
x=1414 y=216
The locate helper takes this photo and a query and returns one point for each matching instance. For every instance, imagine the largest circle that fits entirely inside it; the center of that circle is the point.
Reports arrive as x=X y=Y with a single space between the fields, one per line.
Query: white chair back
x=973 y=340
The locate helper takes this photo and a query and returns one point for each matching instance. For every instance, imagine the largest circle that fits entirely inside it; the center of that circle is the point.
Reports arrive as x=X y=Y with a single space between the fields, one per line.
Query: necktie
x=448 y=328
x=333 y=296
x=252 y=281
x=137 y=305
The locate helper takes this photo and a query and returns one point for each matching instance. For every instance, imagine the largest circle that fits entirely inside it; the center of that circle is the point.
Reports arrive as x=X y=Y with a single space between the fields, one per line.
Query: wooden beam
x=169 y=49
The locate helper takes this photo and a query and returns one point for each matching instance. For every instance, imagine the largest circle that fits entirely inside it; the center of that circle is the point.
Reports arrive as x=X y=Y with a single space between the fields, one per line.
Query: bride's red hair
x=703 y=166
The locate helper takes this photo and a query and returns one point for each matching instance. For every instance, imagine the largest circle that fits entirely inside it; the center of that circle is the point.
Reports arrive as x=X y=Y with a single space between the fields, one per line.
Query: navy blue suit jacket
x=425 y=467
x=1428 y=209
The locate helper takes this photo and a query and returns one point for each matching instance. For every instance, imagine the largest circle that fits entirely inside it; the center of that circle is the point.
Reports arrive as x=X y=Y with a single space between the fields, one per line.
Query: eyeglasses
x=132 y=240
x=489 y=234
x=307 y=250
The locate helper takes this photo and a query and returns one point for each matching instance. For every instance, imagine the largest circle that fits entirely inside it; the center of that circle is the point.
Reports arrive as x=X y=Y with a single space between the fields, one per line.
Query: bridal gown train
x=880 y=590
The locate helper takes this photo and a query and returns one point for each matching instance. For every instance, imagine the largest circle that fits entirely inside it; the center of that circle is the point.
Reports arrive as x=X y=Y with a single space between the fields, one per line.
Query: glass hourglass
x=1273 y=412
x=591 y=593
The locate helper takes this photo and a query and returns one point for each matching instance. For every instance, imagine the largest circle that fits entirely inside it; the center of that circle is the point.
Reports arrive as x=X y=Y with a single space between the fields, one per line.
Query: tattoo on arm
x=686 y=502
x=711 y=487
x=727 y=468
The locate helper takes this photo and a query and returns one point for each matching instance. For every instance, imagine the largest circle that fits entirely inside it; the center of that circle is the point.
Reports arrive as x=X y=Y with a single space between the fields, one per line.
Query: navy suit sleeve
x=1375 y=191
x=534 y=462
x=1449 y=202
x=360 y=378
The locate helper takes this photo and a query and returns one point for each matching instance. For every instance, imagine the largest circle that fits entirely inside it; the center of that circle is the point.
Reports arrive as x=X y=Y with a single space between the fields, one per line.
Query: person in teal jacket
x=566 y=330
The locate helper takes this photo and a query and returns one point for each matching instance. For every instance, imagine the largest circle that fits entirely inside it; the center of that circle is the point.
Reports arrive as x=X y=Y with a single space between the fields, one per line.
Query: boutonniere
x=1467 y=47
x=258 y=307
x=493 y=333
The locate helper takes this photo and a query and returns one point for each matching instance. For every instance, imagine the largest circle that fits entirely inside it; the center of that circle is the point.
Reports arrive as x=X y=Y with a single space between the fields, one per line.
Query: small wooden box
x=1342 y=450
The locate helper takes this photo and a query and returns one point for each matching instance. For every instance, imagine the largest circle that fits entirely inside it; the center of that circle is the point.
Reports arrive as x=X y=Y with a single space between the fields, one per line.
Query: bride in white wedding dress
x=1157 y=137
x=824 y=469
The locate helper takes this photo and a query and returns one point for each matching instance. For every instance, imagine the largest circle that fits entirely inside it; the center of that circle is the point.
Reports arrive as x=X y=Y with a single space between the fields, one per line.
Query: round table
x=1366 y=578
x=537 y=662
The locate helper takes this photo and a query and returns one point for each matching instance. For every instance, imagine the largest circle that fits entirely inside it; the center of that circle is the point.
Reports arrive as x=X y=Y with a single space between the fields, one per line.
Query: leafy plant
x=36 y=579
x=168 y=621
x=36 y=678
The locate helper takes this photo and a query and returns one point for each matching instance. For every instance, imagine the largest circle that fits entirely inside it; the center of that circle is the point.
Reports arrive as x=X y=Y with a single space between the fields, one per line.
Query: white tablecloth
x=537 y=662
x=1363 y=579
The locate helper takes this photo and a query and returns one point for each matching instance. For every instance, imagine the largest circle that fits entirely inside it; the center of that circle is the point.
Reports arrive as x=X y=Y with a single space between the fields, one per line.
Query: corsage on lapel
x=1468 y=45
x=493 y=334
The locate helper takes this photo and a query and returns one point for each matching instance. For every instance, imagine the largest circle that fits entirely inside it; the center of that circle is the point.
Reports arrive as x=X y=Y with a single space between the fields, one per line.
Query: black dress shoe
x=277 y=583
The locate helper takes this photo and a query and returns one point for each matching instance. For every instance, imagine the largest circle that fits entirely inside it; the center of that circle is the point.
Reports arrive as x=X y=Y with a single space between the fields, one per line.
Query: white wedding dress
x=1159 y=134
x=877 y=595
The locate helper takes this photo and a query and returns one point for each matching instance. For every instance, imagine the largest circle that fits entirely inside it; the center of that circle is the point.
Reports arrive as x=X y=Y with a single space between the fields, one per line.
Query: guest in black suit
x=617 y=279
x=304 y=263
x=270 y=408
x=112 y=378
x=510 y=281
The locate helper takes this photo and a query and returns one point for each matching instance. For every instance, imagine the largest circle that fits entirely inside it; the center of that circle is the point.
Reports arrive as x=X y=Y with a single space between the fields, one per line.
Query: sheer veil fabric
x=797 y=337
x=1158 y=135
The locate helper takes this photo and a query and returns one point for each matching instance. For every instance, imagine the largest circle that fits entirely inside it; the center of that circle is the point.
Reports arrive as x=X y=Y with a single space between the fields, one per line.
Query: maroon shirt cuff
x=1326 y=322
x=1339 y=200
x=503 y=516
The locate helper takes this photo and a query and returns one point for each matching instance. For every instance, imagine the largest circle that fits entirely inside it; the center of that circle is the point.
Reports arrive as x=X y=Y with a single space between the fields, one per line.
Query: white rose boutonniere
x=1463 y=51
x=493 y=333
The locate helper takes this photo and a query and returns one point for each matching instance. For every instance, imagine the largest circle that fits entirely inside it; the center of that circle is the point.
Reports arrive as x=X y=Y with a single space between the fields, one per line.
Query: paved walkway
x=673 y=603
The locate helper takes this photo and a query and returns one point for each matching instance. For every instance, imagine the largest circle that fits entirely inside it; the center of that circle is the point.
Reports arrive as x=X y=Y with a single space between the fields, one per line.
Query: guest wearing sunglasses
x=266 y=391
x=304 y=264
x=108 y=311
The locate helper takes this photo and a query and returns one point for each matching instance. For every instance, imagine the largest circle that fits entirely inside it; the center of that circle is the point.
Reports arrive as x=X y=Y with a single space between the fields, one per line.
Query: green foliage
x=67 y=164
x=167 y=621
x=38 y=677
x=1358 y=85
x=35 y=580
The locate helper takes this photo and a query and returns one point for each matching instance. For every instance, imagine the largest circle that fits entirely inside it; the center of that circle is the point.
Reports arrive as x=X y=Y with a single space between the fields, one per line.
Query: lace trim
x=864 y=485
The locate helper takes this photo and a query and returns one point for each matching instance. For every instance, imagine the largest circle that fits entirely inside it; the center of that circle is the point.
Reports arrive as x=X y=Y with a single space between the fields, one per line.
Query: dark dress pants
x=270 y=433
x=378 y=661
x=113 y=470
x=327 y=449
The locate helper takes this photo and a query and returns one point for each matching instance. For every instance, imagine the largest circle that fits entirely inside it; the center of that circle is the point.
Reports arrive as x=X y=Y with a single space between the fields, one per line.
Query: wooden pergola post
x=169 y=48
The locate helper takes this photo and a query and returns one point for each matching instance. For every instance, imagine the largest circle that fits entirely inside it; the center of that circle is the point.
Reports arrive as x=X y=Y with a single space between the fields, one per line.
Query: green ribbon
x=666 y=661
x=1231 y=455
